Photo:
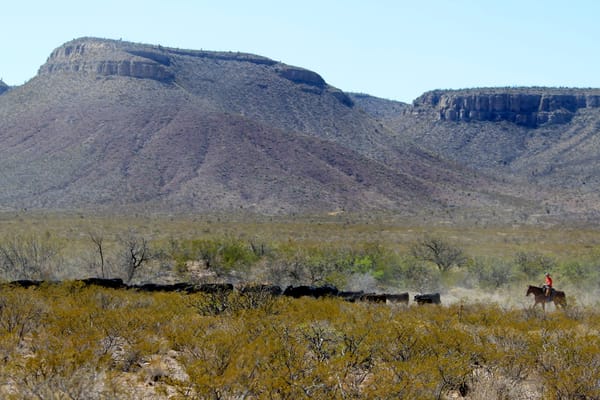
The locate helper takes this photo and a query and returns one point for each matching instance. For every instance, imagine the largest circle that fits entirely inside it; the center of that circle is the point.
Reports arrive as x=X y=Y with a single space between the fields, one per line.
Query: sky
x=391 y=49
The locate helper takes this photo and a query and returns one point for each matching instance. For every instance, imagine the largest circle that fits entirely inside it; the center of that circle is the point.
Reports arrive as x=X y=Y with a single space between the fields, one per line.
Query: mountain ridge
x=115 y=124
x=559 y=157
x=97 y=128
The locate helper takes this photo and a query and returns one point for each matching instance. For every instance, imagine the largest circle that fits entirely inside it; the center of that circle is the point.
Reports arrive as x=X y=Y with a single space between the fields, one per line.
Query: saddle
x=550 y=297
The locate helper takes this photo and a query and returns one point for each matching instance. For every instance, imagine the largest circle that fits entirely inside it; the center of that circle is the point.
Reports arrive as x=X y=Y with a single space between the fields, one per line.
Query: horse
x=557 y=296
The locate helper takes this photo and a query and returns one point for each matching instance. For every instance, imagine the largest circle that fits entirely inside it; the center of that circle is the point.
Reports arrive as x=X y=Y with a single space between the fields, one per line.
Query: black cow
x=397 y=298
x=373 y=297
x=157 y=287
x=350 y=296
x=25 y=283
x=112 y=283
x=299 y=291
x=152 y=287
x=273 y=290
x=310 y=291
x=431 y=298
x=326 y=290
x=215 y=287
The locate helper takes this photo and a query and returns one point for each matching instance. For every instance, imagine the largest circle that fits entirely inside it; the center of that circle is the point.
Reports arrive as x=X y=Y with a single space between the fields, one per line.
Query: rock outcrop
x=312 y=82
x=301 y=75
x=529 y=107
x=105 y=58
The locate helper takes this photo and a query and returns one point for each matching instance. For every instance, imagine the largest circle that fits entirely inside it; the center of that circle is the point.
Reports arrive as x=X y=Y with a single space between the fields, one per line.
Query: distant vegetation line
x=355 y=256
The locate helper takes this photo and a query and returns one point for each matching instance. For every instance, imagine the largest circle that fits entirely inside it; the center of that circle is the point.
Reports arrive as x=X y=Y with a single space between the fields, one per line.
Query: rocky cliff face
x=108 y=58
x=529 y=107
x=301 y=75
x=111 y=57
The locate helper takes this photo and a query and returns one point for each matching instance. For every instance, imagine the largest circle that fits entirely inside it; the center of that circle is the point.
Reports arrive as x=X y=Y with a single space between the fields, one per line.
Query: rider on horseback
x=547 y=284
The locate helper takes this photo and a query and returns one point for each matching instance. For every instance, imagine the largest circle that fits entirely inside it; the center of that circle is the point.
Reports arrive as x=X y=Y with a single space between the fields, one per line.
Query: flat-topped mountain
x=536 y=139
x=529 y=107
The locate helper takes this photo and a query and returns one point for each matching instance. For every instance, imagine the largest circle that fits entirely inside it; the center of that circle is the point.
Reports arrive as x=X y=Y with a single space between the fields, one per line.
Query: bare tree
x=136 y=253
x=440 y=252
x=98 y=241
x=27 y=257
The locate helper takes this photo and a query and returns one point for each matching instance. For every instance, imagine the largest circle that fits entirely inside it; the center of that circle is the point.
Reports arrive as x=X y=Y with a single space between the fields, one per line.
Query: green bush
x=490 y=273
x=532 y=265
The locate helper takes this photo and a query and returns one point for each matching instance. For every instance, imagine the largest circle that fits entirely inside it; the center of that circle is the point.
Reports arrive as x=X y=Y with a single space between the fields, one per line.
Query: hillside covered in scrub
x=116 y=125
x=130 y=127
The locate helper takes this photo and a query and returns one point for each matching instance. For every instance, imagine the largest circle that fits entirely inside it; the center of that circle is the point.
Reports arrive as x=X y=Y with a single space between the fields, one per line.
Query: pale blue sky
x=392 y=49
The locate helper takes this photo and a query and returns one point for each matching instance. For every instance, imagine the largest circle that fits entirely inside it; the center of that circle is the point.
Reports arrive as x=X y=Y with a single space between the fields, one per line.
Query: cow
x=430 y=298
x=152 y=287
x=273 y=290
x=350 y=296
x=397 y=298
x=157 y=287
x=326 y=290
x=310 y=291
x=373 y=297
x=26 y=283
x=299 y=291
x=113 y=283
x=215 y=287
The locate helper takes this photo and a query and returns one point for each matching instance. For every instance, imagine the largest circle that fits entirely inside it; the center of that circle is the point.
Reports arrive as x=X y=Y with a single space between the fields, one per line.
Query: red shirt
x=548 y=280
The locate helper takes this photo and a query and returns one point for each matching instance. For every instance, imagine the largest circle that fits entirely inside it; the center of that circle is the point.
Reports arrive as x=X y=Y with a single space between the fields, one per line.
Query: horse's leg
x=541 y=299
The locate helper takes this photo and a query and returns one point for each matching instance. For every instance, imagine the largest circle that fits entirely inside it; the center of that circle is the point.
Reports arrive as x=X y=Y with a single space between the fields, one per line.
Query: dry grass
x=502 y=241
x=69 y=341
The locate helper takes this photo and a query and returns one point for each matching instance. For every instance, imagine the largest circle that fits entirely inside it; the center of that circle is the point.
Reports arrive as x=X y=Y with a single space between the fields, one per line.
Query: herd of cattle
x=273 y=290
